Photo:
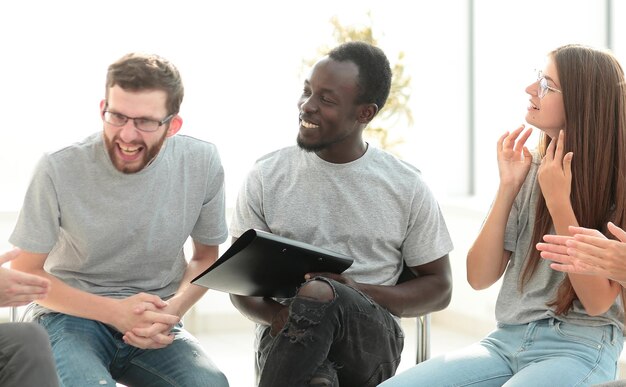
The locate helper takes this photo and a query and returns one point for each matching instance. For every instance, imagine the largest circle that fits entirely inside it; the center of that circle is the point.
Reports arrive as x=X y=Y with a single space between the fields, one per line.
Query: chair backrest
x=13 y=314
x=16 y=316
x=423 y=323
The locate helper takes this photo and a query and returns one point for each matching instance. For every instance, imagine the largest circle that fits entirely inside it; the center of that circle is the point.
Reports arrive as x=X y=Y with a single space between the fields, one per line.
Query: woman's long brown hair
x=594 y=96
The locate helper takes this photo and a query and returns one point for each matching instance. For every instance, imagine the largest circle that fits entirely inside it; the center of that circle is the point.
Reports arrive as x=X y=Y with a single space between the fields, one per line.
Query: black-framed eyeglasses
x=143 y=124
x=543 y=87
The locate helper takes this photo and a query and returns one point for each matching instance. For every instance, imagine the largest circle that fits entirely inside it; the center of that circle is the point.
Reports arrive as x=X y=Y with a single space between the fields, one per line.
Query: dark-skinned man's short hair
x=374 y=70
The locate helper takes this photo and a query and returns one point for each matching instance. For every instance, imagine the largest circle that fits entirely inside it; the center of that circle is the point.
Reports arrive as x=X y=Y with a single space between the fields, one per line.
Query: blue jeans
x=89 y=353
x=349 y=341
x=542 y=353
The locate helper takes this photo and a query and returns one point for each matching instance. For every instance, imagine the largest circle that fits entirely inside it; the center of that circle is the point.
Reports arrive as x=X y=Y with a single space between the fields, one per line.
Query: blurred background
x=461 y=68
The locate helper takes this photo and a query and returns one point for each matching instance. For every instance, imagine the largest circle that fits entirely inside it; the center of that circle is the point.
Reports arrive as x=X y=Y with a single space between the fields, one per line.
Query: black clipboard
x=267 y=265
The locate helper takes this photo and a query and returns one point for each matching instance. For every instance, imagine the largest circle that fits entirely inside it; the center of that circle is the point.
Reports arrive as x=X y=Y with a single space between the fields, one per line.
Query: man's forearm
x=188 y=294
x=66 y=299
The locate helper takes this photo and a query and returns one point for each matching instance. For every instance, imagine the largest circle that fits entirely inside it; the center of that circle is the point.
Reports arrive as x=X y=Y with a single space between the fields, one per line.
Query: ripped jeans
x=349 y=341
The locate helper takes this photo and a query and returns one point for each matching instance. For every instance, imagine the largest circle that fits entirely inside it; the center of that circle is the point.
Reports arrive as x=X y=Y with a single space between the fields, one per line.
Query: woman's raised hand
x=514 y=158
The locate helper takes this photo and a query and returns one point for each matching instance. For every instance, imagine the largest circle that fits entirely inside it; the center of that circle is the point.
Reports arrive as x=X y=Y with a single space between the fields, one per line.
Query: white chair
x=13 y=314
x=16 y=316
x=423 y=338
x=423 y=324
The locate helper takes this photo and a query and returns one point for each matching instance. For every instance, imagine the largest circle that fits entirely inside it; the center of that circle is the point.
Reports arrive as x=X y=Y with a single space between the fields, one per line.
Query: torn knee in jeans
x=318 y=290
x=308 y=309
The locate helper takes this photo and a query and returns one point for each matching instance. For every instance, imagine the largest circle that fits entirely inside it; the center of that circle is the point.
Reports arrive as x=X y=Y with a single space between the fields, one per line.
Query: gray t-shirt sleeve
x=249 y=206
x=427 y=238
x=210 y=228
x=37 y=228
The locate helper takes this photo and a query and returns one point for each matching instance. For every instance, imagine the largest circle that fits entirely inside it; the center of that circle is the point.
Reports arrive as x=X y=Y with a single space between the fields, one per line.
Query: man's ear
x=367 y=113
x=175 y=124
x=103 y=103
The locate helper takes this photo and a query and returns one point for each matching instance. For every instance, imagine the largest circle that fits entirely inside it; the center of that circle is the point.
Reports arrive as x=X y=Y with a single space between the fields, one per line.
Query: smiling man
x=335 y=191
x=105 y=220
x=128 y=149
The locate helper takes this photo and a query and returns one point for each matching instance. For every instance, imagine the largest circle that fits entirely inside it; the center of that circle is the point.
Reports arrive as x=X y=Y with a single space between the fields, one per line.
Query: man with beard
x=336 y=191
x=105 y=220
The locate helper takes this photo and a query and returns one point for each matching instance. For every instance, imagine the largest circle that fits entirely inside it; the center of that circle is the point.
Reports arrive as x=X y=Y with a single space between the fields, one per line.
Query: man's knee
x=318 y=290
x=31 y=335
x=32 y=345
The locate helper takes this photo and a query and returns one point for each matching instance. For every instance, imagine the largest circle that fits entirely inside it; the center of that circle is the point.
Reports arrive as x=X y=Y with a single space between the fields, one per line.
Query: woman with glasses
x=554 y=328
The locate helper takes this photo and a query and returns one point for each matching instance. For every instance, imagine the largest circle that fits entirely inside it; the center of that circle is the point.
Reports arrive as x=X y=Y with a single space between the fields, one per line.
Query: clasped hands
x=146 y=321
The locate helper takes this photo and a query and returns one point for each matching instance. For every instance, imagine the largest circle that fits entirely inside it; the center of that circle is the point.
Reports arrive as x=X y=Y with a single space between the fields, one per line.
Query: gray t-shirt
x=376 y=209
x=116 y=234
x=519 y=307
